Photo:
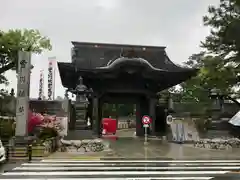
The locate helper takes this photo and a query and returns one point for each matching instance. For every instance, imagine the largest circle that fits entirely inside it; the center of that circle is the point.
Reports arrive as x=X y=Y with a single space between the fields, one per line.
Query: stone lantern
x=217 y=98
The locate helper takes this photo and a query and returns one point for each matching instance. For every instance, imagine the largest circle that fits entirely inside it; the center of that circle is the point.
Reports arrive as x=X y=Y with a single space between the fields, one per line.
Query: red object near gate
x=109 y=128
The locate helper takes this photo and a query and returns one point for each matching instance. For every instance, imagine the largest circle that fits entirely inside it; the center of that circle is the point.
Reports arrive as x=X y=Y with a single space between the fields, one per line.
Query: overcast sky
x=176 y=24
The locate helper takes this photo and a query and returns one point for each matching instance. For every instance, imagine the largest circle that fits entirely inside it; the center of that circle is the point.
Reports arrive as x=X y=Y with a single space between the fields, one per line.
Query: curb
x=88 y=158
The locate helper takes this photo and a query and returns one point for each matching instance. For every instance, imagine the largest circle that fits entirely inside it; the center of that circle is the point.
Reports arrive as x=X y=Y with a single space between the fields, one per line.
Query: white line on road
x=91 y=173
x=201 y=164
x=127 y=168
x=149 y=178
x=172 y=178
x=127 y=164
x=138 y=161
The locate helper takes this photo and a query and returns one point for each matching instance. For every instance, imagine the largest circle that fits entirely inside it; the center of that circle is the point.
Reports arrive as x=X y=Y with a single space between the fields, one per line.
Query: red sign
x=109 y=126
x=146 y=120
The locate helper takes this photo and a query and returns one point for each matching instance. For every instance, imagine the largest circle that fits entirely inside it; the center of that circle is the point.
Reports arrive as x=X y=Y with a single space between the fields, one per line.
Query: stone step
x=80 y=125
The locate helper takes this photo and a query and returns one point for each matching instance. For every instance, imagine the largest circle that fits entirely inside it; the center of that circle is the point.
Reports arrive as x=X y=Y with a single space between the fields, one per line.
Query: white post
x=145 y=134
x=22 y=106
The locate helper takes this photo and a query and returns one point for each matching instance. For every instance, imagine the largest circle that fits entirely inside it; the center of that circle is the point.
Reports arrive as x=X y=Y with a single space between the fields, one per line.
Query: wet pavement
x=135 y=148
x=130 y=146
x=128 y=157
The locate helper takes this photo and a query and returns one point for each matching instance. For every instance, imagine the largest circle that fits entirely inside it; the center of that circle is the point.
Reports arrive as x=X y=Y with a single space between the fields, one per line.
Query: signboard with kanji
x=51 y=77
x=22 y=106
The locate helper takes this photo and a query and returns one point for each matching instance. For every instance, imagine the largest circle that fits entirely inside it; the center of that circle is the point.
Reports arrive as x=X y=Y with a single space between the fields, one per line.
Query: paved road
x=125 y=169
x=8 y=166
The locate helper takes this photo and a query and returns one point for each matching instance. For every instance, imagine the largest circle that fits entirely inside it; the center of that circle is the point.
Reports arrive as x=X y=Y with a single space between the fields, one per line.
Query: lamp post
x=82 y=95
x=81 y=91
x=217 y=97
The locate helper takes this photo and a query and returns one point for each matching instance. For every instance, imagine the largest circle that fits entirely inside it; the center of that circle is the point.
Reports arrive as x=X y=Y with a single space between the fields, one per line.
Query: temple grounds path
x=128 y=146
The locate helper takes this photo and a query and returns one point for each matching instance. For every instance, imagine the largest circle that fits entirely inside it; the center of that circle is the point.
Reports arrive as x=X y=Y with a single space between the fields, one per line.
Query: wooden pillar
x=72 y=117
x=142 y=109
x=139 y=131
x=97 y=116
x=152 y=114
x=100 y=107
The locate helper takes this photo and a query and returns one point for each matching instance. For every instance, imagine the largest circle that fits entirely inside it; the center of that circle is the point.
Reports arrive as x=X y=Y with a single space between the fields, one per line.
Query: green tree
x=224 y=21
x=213 y=72
x=14 y=40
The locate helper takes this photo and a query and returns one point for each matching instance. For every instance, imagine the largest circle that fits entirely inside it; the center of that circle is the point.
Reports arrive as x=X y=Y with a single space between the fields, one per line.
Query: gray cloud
x=175 y=24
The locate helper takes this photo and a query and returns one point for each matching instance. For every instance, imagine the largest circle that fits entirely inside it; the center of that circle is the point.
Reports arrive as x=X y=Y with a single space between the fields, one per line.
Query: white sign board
x=50 y=80
x=235 y=120
x=22 y=106
x=63 y=122
x=169 y=119
x=146 y=125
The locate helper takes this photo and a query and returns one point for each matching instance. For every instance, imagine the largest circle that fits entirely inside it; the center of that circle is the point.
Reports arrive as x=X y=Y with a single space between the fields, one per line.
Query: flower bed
x=217 y=143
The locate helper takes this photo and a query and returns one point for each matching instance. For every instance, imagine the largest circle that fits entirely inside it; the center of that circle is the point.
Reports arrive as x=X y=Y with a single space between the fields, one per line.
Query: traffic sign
x=146 y=120
x=169 y=119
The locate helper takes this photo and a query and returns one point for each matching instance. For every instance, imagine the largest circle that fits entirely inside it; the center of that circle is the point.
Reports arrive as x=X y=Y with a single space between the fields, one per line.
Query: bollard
x=29 y=152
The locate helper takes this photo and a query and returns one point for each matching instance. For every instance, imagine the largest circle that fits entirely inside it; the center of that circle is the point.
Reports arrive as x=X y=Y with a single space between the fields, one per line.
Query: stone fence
x=39 y=149
x=218 y=144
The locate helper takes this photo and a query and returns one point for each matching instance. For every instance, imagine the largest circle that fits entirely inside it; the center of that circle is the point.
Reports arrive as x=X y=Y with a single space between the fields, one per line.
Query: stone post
x=22 y=102
x=65 y=107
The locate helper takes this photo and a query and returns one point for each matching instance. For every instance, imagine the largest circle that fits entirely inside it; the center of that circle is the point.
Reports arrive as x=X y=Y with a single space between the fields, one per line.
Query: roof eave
x=79 y=44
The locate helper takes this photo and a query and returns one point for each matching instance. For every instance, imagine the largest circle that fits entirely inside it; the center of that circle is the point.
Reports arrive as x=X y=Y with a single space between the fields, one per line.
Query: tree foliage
x=224 y=21
x=213 y=72
x=219 y=65
x=14 y=40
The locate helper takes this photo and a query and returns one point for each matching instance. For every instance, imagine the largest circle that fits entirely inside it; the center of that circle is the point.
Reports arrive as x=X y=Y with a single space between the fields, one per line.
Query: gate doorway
x=138 y=106
x=125 y=115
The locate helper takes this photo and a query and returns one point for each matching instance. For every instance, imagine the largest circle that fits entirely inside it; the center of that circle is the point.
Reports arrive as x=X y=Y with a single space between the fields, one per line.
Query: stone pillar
x=152 y=114
x=66 y=103
x=23 y=93
x=22 y=104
